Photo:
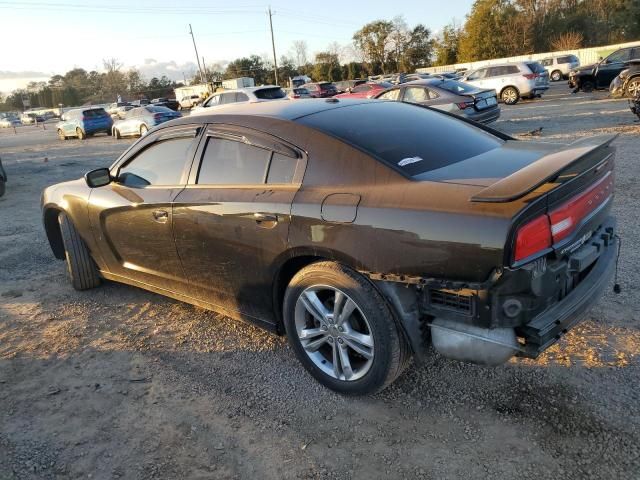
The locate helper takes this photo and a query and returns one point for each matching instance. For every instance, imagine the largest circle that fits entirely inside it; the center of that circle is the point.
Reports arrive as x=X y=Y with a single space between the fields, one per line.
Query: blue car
x=83 y=122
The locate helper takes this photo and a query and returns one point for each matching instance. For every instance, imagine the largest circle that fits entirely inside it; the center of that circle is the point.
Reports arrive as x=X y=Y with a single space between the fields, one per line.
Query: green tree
x=446 y=46
x=375 y=41
x=486 y=31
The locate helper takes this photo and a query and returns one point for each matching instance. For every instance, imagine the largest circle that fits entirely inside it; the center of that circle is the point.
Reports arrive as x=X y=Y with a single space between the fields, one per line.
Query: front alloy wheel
x=633 y=87
x=334 y=332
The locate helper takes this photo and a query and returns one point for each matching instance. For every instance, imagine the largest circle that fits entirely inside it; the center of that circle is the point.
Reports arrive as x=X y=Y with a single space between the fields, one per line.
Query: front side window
x=162 y=163
x=415 y=95
x=241 y=97
x=618 y=57
x=213 y=101
x=478 y=74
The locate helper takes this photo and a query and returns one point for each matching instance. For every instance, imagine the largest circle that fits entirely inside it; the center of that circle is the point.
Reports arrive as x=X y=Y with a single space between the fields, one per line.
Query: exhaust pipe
x=468 y=343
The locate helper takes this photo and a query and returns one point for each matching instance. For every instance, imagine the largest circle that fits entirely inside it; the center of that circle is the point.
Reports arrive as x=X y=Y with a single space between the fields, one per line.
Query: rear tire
x=80 y=134
x=510 y=96
x=556 y=76
x=363 y=330
x=61 y=135
x=81 y=269
x=116 y=134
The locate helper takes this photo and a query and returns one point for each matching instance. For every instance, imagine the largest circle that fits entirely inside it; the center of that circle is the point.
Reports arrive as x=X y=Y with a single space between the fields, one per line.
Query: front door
x=132 y=216
x=611 y=66
x=232 y=221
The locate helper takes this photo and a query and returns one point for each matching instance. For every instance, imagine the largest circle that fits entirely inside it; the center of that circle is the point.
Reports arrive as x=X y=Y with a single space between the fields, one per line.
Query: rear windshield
x=456 y=87
x=326 y=86
x=270 y=93
x=158 y=109
x=94 y=112
x=412 y=139
x=535 y=67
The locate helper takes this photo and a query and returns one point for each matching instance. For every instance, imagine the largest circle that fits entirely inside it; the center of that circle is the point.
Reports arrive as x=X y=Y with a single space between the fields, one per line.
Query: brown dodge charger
x=364 y=230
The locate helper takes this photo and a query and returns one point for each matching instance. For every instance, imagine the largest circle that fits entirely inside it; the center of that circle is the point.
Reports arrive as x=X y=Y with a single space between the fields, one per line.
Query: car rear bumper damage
x=520 y=312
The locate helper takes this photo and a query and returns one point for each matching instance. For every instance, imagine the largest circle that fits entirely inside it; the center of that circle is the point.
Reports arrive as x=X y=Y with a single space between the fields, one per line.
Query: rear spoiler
x=527 y=179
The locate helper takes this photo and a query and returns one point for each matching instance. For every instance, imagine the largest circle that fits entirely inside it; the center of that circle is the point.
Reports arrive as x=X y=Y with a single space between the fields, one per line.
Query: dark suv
x=321 y=89
x=600 y=75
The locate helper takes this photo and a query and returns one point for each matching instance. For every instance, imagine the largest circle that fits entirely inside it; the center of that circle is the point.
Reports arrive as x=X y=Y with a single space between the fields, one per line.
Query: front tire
x=61 y=135
x=116 y=134
x=80 y=134
x=633 y=87
x=81 y=269
x=342 y=330
x=556 y=76
x=510 y=96
x=587 y=86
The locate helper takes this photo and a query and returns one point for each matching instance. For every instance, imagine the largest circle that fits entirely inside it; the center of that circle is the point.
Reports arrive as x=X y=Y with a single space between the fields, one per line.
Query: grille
x=451 y=300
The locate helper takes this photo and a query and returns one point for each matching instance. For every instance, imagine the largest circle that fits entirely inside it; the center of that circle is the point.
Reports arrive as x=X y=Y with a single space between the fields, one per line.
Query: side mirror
x=98 y=177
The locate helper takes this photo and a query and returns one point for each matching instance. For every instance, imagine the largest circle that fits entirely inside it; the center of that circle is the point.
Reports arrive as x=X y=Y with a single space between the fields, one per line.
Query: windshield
x=270 y=93
x=413 y=139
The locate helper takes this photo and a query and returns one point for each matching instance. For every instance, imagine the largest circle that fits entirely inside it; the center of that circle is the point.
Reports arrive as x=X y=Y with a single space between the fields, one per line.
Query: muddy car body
x=364 y=243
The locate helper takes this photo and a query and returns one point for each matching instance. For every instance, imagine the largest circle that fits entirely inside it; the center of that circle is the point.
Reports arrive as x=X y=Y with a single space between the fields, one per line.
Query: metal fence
x=586 y=56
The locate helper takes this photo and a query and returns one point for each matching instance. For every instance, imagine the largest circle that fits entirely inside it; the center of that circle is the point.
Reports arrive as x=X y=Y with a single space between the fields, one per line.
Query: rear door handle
x=265 y=217
x=160 y=216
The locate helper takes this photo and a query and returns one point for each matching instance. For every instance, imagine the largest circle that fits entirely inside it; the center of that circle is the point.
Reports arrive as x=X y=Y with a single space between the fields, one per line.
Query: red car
x=320 y=89
x=366 y=90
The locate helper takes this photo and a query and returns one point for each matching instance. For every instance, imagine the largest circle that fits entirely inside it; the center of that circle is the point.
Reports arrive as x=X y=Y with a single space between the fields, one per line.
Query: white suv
x=241 y=95
x=559 y=67
x=511 y=81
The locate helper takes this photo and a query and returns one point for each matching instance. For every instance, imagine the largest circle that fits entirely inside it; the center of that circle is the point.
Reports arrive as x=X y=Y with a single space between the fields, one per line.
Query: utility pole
x=204 y=67
x=197 y=56
x=273 y=45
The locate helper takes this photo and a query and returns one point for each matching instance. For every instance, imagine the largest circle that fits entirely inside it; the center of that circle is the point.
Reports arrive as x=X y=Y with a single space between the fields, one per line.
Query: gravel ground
x=117 y=382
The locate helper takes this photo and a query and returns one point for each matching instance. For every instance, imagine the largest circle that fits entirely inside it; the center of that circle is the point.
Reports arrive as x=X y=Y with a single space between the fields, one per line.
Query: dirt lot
x=120 y=383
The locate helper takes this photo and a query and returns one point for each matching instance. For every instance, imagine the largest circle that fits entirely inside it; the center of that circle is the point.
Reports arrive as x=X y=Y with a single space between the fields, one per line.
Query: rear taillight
x=533 y=237
x=157 y=116
x=546 y=230
x=568 y=216
x=463 y=105
x=530 y=76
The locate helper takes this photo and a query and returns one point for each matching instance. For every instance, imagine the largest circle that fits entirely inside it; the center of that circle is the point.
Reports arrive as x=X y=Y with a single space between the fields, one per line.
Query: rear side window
x=415 y=95
x=457 y=87
x=241 y=97
x=161 y=163
x=535 y=67
x=281 y=169
x=270 y=93
x=565 y=59
x=227 y=162
x=414 y=139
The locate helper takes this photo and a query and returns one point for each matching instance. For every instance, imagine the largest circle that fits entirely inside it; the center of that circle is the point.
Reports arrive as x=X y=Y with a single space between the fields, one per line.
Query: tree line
x=492 y=29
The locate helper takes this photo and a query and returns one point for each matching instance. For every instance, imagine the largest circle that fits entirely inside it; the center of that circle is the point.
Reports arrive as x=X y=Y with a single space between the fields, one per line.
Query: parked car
x=171 y=103
x=560 y=66
x=601 y=74
x=8 y=122
x=31 y=118
x=189 y=101
x=451 y=96
x=83 y=122
x=321 y=89
x=627 y=83
x=113 y=108
x=3 y=179
x=512 y=81
x=140 y=102
x=364 y=241
x=297 y=93
x=366 y=90
x=265 y=93
x=142 y=119
x=120 y=112
x=346 y=85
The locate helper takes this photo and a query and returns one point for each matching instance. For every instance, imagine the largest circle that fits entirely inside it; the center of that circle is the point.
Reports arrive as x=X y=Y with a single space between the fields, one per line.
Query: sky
x=54 y=36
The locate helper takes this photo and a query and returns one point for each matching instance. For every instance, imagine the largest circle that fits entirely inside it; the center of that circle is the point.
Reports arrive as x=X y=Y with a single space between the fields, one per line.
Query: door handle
x=265 y=217
x=160 y=216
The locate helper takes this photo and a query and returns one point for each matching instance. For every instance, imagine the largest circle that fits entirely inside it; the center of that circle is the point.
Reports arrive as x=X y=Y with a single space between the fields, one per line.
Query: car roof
x=247 y=89
x=284 y=110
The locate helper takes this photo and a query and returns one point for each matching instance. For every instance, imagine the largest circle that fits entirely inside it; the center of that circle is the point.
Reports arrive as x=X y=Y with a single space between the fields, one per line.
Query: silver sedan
x=138 y=121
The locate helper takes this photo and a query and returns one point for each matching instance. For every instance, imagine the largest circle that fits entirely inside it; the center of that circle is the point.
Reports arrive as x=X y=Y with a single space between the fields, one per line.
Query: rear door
x=132 y=216
x=231 y=222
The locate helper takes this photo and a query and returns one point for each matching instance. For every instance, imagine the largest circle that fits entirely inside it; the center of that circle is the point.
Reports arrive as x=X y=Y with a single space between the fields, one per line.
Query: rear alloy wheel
x=80 y=134
x=342 y=330
x=61 y=134
x=633 y=87
x=83 y=273
x=510 y=96
x=143 y=130
x=556 y=76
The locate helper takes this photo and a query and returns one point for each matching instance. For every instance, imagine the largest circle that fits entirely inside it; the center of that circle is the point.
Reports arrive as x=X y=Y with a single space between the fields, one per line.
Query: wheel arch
x=52 y=229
